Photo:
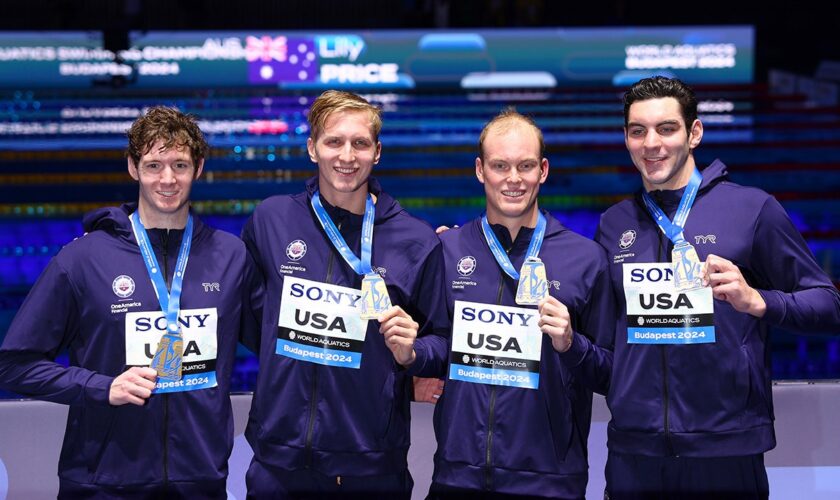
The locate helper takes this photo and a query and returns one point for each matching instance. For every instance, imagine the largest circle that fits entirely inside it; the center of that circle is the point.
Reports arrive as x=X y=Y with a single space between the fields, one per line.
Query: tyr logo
x=709 y=238
x=211 y=287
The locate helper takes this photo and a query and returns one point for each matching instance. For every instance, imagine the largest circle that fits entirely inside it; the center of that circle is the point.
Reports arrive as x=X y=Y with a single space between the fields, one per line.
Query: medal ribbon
x=500 y=254
x=674 y=229
x=170 y=300
x=360 y=266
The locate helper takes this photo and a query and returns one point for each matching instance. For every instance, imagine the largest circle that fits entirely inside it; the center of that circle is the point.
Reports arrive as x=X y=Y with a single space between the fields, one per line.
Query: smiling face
x=165 y=177
x=660 y=143
x=345 y=150
x=511 y=170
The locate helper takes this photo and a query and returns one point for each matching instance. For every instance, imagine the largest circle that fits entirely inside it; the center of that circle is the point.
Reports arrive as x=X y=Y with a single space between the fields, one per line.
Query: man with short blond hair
x=531 y=336
x=330 y=415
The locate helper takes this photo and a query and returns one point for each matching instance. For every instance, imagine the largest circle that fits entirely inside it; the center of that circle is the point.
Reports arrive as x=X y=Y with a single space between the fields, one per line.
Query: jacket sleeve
x=46 y=324
x=590 y=356
x=800 y=297
x=253 y=294
x=430 y=307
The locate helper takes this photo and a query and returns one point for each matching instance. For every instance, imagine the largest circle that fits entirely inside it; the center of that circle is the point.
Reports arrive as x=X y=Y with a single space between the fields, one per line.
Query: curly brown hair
x=174 y=128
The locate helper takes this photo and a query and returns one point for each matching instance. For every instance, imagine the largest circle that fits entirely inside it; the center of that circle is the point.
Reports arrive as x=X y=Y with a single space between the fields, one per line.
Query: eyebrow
x=664 y=122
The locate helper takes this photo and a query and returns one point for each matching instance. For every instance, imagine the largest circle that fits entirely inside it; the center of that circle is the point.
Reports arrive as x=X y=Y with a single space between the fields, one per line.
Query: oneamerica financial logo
x=296 y=250
x=123 y=286
x=627 y=239
x=466 y=265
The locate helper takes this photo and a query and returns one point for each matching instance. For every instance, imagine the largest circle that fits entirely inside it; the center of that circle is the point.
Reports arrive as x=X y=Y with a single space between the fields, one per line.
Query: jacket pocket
x=99 y=428
x=387 y=398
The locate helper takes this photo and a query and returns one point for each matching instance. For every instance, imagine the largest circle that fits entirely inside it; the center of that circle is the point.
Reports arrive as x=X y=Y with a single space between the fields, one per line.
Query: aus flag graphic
x=280 y=59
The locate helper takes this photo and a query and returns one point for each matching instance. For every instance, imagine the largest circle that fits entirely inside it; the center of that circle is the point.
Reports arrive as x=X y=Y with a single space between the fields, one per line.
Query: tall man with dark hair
x=534 y=316
x=331 y=415
x=702 y=267
x=129 y=294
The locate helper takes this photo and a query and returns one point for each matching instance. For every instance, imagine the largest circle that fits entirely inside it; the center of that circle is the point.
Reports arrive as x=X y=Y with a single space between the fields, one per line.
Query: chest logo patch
x=627 y=239
x=296 y=250
x=123 y=286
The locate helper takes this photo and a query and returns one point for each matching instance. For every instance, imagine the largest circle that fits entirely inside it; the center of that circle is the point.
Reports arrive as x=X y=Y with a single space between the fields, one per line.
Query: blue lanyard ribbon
x=170 y=300
x=360 y=266
x=500 y=254
x=674 y=229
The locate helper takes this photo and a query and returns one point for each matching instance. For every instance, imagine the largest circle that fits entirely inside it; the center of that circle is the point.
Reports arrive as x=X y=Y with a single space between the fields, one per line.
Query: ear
x=479 y=170
x=132 y=170
x=378 y=152
x=310 y=147
x=199 y=169
x=696 y=134
x=543 y=170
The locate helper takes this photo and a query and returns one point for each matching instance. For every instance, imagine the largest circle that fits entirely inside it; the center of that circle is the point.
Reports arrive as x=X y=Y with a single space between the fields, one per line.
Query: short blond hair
x=507 y=119
x=334 y=101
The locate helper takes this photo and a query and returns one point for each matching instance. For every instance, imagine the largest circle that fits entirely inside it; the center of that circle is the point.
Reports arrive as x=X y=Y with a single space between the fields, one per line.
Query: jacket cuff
x=775 y=312
x=420 y=356
x=577 y=351
x=98 y=389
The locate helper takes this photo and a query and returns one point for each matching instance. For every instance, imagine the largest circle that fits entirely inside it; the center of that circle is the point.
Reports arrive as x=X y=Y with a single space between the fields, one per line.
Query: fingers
x=396 y=318
x=555 y=322
x=443 y=229
x=717 y=279
x=399 y=331
x=133 y=386
x=549 y=305
x=718 y=270
x=427 y=390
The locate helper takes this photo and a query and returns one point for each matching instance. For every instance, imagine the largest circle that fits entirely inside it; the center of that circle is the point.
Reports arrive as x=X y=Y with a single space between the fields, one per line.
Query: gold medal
x=375 y=299
x=169 y=356
x=686 y=266
x=533 y=285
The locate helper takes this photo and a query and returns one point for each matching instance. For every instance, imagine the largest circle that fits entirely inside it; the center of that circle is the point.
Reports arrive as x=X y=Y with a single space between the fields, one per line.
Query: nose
x=346 y=155
x=167 y=175
x=514 y=177
x=652 y=139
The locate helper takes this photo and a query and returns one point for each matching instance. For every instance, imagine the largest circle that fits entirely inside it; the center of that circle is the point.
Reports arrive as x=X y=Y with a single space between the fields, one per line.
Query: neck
x=151 y=219
x=354 y=202
x=678 y=181
x=514 y=224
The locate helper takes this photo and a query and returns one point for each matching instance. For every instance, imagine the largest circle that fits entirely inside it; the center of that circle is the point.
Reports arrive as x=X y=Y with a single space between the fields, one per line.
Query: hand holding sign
x=399 y=331
x=556 y=323
x=729 y=284
x=133 y=386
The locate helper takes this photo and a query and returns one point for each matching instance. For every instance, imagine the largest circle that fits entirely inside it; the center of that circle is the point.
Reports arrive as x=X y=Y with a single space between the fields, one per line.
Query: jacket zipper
x=166 y=396
x=665 y=392
x=313 y=402
x=488 y=471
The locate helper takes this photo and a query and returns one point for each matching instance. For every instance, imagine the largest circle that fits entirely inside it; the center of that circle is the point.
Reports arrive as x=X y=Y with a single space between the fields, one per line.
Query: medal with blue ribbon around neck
x=375 y=299
x=685 y=263
x=532 y=284
x=169 y=355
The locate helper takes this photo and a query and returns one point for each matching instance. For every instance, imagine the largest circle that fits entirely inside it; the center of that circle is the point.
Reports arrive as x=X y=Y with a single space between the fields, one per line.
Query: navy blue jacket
x=524 y=441
x=337 y=420
x=184 y=436
x=708 y=400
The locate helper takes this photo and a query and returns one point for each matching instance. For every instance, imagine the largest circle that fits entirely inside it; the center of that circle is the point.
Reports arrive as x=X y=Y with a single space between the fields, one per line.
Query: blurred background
x=73 y=75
